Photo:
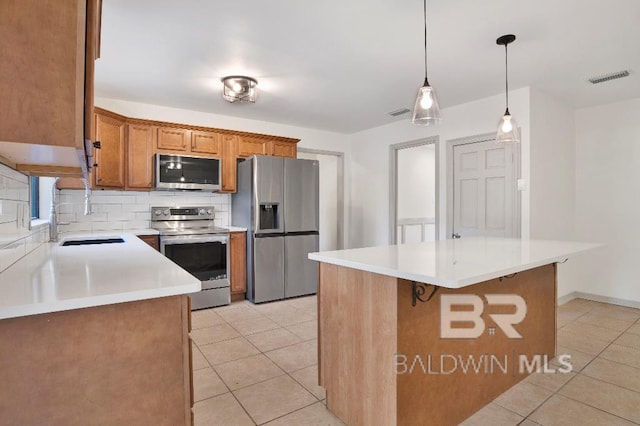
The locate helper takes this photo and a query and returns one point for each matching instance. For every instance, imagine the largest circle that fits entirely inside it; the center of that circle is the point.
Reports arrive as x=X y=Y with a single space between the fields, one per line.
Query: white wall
x=553 y=168
x=309 y=138
x=608 y=200
x=370 y=161
x=552 y=177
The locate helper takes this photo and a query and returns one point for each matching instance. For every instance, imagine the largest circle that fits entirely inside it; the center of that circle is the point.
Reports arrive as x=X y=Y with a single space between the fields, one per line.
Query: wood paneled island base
x=383 y=361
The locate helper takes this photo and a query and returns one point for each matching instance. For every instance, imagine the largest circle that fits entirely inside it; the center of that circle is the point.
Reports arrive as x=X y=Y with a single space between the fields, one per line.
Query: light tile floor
x=604 y=387
x=257 y=364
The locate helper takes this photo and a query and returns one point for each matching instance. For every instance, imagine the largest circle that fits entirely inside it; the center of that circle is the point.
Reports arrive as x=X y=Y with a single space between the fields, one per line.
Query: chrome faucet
x=87 y=197
x=53 y=214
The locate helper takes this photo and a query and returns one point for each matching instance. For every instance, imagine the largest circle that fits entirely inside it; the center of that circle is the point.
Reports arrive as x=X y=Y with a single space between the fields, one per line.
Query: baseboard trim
x=596 y=298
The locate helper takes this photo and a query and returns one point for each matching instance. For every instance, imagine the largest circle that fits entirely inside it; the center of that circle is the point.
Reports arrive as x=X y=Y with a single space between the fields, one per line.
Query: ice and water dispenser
x=269 y=217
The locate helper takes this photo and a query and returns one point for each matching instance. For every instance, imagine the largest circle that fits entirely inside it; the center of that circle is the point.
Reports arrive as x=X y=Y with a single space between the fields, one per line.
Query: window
x=34 y=196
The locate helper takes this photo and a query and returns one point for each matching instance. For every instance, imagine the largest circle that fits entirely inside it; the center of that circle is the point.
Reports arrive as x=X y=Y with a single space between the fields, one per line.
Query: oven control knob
x=165 y=212
x=157 y=212
x=201 y=211
x=209 y=211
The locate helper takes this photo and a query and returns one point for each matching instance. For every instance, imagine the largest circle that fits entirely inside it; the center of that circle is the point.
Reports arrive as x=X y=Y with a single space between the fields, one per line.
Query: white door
x=416 y=193
x=330 y=171
x=484 y=190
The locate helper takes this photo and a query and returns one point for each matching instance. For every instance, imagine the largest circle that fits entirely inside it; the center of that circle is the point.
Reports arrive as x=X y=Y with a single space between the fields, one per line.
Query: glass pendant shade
x=507 y=129
x=426 y=110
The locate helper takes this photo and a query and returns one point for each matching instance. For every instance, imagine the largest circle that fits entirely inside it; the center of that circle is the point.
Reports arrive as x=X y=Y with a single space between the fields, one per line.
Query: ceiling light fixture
x=426 y=110
x=238 y=88
x=507 y=127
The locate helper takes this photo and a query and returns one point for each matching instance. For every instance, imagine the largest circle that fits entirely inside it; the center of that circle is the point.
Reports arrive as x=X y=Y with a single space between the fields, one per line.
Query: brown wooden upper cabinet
x=283 y=149
x=229 y=163
x=248 y=146
x=110 y=131
x=141 y=142
x=126 y=157
x=206 y=142
x=46 y=94
x=172 y=139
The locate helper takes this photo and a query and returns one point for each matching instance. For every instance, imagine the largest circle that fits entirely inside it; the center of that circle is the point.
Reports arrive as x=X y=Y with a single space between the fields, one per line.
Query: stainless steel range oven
x=189 y=238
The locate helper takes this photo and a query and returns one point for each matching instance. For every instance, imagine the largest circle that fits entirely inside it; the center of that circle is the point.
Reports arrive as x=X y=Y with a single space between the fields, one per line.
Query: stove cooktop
x=190 y=230
x=185 y=220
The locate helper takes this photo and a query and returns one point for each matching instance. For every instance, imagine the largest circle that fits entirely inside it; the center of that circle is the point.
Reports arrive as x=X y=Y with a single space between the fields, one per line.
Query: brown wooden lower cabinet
x=238 y=267
x=152 y=240
x=127 y=363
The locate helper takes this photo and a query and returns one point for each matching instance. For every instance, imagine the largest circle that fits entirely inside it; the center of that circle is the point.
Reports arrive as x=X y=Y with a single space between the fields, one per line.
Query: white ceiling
x=343 y=65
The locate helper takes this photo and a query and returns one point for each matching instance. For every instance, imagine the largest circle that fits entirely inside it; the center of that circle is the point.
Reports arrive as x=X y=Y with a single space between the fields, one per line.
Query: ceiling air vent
x=608 y=77
x=399 y=112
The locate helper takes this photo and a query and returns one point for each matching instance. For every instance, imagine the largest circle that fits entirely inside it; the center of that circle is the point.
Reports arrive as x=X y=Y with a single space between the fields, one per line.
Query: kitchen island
x=430 y=333
x=95 y=334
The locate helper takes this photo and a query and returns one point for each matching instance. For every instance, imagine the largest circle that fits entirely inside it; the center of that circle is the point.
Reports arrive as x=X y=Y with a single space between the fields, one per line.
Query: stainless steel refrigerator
x=277 y=201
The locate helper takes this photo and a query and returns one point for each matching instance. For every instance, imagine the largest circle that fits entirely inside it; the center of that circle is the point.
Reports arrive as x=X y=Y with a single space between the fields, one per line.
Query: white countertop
x=235 y=228
x=91 y=234
x=55 y=278
x=455 y=263
x=145 y=231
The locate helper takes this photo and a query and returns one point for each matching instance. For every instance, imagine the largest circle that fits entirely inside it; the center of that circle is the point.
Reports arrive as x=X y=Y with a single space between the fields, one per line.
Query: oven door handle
x=194 y=239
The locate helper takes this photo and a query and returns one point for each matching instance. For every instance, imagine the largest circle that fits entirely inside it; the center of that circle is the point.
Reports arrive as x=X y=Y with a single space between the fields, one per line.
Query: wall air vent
x=608 y=77
x=399 y=112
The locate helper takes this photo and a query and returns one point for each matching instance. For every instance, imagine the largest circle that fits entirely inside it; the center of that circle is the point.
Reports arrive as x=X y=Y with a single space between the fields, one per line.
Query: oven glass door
x=207 y=261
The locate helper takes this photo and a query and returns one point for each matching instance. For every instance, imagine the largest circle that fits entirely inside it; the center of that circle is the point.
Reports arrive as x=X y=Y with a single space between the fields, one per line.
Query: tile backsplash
x=16 y=237
x=130 y=210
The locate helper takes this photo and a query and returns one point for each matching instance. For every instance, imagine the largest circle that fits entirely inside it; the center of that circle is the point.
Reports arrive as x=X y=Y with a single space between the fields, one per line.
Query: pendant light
x=426 y=110
x=507 y=127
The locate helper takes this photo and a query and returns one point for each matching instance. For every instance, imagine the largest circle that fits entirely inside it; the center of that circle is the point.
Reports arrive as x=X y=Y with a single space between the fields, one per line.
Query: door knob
x=455 y=235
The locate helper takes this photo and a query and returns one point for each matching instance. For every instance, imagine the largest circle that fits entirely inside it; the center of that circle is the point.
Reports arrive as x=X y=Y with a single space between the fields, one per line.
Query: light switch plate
x=521 y=184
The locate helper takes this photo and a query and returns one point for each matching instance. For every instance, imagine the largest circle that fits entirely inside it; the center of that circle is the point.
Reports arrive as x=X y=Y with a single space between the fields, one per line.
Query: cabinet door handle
x=455 y=235
x=97 y=145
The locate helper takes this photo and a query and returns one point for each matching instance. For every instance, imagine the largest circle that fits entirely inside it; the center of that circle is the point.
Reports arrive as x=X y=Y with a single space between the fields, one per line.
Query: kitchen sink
x=93 y=241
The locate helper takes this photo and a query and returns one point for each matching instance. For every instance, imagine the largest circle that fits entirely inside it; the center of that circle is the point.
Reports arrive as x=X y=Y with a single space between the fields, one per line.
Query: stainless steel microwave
x=181 y=172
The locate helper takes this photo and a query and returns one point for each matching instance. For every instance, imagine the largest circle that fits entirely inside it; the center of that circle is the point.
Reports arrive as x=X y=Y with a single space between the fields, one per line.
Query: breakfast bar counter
x=430 y=333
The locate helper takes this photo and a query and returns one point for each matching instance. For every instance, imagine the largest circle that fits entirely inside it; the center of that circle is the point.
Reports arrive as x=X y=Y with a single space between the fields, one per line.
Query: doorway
x=331 y=196
x=482 y=194
x=414 y=191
